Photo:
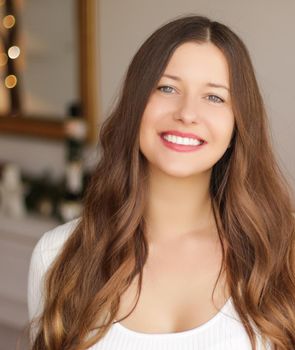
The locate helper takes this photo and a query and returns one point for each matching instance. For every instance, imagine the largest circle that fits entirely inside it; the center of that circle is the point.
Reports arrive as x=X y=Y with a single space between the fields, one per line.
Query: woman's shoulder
x=44 y=253
x=51 y=242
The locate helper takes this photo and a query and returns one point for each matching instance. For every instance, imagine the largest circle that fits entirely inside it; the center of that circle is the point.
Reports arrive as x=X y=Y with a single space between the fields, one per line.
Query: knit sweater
x=222 y=332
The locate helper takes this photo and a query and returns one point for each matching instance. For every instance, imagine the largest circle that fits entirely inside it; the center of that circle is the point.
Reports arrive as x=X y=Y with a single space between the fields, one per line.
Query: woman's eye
x=166 y=89
x=216 y=99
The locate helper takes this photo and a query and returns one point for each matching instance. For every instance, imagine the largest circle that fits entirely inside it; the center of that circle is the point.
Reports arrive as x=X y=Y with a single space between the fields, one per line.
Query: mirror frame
x=86 y=11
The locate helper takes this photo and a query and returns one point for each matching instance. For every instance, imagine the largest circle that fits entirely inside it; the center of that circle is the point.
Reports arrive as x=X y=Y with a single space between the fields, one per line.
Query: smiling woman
x=193 y=103
x=187 y=236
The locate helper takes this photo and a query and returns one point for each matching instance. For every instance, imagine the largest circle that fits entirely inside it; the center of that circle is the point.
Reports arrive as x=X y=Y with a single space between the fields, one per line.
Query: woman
x=187 y=236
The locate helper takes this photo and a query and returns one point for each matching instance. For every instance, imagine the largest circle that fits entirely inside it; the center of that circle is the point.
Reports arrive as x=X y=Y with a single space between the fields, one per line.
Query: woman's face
x=187 y=101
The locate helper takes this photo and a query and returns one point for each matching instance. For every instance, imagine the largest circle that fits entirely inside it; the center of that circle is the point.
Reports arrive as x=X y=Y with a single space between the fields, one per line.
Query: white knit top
x=222 y=332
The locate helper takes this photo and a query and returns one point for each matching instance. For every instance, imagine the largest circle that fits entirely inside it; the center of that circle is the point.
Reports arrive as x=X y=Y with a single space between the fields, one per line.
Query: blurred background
x=61 y=67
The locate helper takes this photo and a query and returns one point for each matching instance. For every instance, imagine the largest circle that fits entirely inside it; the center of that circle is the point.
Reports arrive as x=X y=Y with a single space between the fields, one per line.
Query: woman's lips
x=181 y=148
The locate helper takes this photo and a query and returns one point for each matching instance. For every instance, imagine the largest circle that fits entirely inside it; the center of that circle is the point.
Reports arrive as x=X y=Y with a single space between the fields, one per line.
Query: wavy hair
x=251 y=200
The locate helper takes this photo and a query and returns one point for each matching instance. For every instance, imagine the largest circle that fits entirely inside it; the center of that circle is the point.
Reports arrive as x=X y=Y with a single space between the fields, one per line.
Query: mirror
x=47 y=66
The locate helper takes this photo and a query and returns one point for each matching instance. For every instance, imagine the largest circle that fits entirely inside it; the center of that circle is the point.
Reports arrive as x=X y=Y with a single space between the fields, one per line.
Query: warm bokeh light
x=2 y=2
x=3 y=59
x=10 y=81
x=13 y=52
x=8 y=21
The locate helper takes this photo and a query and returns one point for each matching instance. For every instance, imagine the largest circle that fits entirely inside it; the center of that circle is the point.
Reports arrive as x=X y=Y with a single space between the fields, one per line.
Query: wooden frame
x=55 y=129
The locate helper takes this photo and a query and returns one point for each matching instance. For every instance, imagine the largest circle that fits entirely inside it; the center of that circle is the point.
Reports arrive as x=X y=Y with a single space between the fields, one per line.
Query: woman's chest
x=175 y=295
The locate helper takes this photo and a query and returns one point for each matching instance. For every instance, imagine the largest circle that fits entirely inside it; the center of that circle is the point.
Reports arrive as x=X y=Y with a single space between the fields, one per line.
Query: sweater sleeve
x=35 y=292
x=44 y=253
x=36 y=276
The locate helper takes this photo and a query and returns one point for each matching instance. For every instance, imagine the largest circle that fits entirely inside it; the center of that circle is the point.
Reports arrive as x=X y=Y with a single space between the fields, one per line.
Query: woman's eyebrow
x=174 y=77
x=218 y=86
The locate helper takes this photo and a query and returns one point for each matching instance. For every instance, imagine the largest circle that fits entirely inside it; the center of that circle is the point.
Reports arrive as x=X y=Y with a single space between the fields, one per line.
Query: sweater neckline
x=189 y=332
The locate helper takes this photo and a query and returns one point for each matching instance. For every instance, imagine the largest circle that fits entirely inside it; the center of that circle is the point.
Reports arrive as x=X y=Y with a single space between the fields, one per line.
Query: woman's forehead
x=193 y=60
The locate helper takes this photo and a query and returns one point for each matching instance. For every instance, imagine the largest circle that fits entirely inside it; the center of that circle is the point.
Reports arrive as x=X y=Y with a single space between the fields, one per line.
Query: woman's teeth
x=182 y=140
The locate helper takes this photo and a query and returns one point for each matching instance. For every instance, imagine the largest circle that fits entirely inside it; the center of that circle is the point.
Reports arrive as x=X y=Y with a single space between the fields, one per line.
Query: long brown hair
x=250 y=197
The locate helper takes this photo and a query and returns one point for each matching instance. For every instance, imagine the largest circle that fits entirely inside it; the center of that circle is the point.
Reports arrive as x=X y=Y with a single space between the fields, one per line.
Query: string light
x=13 y=52
x=8 y=21
x=3 y=59
x=10 y=81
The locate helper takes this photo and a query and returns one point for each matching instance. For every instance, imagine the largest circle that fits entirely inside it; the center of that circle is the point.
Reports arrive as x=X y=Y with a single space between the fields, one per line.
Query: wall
x=266 y=26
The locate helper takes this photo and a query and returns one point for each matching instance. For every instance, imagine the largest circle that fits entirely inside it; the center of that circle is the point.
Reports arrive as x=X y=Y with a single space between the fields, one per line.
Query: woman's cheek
x=220 y=128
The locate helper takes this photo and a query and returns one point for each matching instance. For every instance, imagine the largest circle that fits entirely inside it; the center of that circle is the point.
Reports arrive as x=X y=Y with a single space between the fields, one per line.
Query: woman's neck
x=178 y=207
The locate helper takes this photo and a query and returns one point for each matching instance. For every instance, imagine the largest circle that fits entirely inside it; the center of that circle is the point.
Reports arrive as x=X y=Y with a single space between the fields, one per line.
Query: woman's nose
x=189 y=110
